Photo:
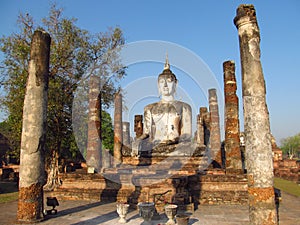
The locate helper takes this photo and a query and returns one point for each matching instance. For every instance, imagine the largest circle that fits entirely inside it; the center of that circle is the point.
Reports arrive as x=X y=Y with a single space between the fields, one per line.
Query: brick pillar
x=204 y=114
x=93 y=152
x=215 y=136
x=118 y=129
x=232 y=126
x=32 y=164
x=200 y=131
x=257 y=126
x=138 y=125
x=126 y=133
x=200 y=128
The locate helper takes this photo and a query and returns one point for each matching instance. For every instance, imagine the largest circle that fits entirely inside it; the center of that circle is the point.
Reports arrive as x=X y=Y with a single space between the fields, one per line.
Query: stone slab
x=87 y=212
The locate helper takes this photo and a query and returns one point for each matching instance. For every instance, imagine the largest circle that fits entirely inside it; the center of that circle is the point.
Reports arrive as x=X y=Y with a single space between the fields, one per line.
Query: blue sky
x=203 y=27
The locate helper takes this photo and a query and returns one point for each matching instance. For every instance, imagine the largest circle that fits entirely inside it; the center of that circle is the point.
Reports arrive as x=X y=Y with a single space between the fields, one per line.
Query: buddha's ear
x=176 y=84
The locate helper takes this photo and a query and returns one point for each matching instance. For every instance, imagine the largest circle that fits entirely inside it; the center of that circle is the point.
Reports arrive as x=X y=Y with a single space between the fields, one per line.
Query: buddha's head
x=167 y=81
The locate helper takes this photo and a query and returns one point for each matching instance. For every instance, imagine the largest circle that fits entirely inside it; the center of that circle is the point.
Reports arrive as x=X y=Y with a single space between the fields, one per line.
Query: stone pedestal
x=146 y=210
x=171 y=211
x=122 y=210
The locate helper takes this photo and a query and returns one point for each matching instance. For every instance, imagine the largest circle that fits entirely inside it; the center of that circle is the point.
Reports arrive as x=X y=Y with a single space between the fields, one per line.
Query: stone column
x=106 y=159
x=126 y=133
x=206 y=124
x=232 y=126
x=32 y=164
x=118 y=131
x=200 y=128
x=94 y=148
x=215 y=136
x=138 y=125
x=257 y=126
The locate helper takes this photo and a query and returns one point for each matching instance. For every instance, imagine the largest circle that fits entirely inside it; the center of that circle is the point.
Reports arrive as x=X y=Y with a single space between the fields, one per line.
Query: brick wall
x=287 y=169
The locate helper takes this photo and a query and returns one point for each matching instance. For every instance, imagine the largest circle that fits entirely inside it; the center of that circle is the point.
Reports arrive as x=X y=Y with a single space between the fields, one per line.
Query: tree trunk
x=53 y=180
x=32 y=165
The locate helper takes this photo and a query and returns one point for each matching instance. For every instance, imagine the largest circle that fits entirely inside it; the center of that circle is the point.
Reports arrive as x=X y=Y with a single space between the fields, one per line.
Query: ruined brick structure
x=93 y=152
x=118 y=129
x=179 y=172
x=131 y=184
x=205 y=115
x=232 y=128
x=203 y=124
x=200 y=131
x=138 y=125
x=288 y=169
x=169 y=173
x=215 y=135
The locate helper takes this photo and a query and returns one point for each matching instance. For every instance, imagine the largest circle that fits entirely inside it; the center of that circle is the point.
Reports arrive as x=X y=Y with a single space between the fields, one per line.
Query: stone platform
x=161 y=180
x=81 y=212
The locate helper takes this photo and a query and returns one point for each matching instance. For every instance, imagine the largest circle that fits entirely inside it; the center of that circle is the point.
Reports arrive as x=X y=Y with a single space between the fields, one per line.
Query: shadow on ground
x=99 y=219
x=73 y=210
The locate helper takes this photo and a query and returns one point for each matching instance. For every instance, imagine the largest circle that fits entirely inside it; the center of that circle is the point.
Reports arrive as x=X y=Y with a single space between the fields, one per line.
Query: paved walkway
x=93 y=213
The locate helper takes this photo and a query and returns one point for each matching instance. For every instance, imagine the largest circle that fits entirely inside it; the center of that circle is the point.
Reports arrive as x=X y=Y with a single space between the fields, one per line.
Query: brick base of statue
x=185 y=180
x=180 y=149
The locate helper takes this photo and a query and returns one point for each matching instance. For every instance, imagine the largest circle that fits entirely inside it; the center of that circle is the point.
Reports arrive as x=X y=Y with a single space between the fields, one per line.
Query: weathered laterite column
x=138 y=125
x=118 y=131
x=94 y=148
x=232 y=126
x=215 y=136
x=32 y=163
x=200 y=129
x=204 y=114
x=257 y=126
x=126 y=133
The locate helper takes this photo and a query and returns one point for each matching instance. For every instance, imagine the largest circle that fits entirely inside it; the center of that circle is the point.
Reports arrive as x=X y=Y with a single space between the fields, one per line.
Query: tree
x=108 y=135
x=13 y=78
x=73 y=52
x=291 y=146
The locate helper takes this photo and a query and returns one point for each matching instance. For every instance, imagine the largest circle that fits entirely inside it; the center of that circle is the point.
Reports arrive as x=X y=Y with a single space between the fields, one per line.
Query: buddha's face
x=166 y=85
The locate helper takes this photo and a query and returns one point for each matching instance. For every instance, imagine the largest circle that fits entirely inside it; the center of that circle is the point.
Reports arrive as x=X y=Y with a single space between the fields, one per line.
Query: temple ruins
x=164 y=162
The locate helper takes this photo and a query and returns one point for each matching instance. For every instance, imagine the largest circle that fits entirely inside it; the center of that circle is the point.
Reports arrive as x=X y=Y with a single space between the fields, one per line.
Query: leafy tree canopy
x=73 y=52
x=291 y=146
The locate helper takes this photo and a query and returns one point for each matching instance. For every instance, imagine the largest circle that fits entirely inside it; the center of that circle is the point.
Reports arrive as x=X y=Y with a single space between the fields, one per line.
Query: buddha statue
x=168 y=121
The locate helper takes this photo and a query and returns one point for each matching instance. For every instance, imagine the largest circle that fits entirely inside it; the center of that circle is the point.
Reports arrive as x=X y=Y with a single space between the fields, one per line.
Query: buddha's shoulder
x=162 y=104
x=182 y=104
x=152 y=105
